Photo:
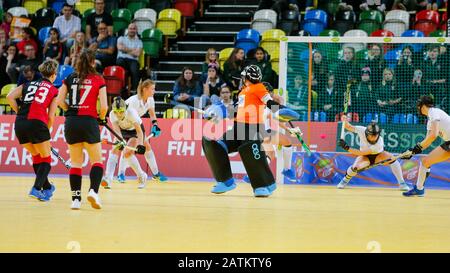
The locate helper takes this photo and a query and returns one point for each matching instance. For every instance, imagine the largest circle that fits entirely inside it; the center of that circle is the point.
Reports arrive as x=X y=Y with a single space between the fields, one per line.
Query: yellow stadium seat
x=83 y=6
x=142 y=60
x=176 y=113
x=270 y=40
x=224 y=55
x=33 y=5
x=5 y=90
x=169 y=22
x=275 y=61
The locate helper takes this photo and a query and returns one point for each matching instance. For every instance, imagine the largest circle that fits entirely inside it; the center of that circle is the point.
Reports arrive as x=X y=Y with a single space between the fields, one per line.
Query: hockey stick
x=150 y=136
x=305 y=147
x=105 y=141
x=346 y=102
x=382 y=162
x=114 y=133
x=66 y=164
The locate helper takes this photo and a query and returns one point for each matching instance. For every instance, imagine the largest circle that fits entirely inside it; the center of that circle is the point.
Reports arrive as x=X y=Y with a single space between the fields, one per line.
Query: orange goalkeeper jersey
x=251 y=103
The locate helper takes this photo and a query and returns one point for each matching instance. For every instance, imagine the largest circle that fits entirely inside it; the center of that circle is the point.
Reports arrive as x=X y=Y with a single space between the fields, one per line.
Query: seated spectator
x=376 y=63
x=105 y=47
x=30 y=59
x=8 y=56
x=320 y=70
x=28 y=75
x=346 y=69
x=94 y=19
x=75 y=50
x=27 y=39
x=405 y=66
x=362 y=94
x=389 y=97
x=410 y=5
x=298 y=94
x=329 y=98
x=211 y=57
x=68 y=25
x=414 y=91
x=6 y=23
x=380 y=5
x=261 y=61
x=226 y=99
x=129 y=49
x=53 y=48
x=212 y=84
x=435 y=73
x=233 y=67
x=187 y=89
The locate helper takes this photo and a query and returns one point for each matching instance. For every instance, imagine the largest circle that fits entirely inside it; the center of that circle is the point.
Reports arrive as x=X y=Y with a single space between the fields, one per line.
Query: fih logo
x=256 y=153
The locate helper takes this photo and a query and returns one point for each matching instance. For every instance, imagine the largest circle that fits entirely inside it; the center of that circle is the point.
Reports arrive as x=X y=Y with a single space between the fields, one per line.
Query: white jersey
x=139 y=105
x=365 y=145
x=443 y=121
x=128 y=120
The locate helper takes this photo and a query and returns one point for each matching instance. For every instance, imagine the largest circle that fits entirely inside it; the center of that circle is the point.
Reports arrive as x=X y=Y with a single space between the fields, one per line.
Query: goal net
x=384 y=77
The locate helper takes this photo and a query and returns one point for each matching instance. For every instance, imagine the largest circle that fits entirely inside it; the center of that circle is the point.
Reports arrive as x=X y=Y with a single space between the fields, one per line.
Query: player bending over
x=143 y=102
x=371 y=151
x=34 y=118
x=438 y=125
x=128 y=125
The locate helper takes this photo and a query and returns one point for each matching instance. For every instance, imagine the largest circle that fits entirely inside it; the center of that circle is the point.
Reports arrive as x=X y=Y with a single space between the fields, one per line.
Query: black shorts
x=127 y=134
x=241 y=134
x=446 y=146
x=79 y=129
x=31 y=130
x=372 y=158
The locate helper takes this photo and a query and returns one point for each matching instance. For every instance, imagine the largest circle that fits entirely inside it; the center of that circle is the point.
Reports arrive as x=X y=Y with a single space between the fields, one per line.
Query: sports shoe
x=76 y=204
x=106 y=183
x=159 y=177
x=272 y=187
x=403 y=186
x=262 y=192
x=342 y=184
x=142 y=181
x=94 y=199
x=246 y=179
x=222 y=187
x=414 y=192
x=121 y=178
x=49 y=192
x=289 y=174
x=39 y=195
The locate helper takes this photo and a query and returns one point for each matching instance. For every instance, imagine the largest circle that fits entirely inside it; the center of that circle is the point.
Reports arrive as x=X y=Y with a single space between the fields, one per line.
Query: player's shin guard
x=350 y=173
x=423 y=175
x=96 y=176
x=75 y=183
x=287 y=157
x=255 y=163
x=111 y=166
x=216 y=153
x=134 y=164
x=397 y=171
x=151 y=161
x=42 y=172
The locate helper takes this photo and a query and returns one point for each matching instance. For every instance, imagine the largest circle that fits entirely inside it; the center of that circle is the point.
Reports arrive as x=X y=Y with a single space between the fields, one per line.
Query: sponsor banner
x=330 y=168
x=397 y=137
x=323 y=135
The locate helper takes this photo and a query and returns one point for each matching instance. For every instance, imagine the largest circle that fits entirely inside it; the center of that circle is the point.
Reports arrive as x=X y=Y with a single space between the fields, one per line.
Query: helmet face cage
x=252 y=73
x=374 y=130
x=119 y=105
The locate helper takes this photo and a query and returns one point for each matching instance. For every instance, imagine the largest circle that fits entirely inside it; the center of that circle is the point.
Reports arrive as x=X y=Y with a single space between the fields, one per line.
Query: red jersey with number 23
x=36 y=98
x=83 y=100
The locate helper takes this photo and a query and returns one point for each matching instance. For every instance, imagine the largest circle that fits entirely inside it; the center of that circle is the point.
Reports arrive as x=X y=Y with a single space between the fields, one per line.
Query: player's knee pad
x=216 y=153
x=255 y=163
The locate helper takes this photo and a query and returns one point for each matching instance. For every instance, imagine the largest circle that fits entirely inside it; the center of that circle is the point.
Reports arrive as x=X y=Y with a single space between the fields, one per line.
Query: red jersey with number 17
x=82 y=100
x=36 y=98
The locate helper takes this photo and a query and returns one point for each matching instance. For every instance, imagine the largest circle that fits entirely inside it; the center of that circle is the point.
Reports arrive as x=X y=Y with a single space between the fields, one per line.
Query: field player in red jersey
x=78 y=98
x=35 y=116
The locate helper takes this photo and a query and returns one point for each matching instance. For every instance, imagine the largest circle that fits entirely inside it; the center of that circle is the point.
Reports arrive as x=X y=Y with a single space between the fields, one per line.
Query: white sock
x=422 y=176
x=123 y=165
x=134 y=164
x=397 y=171
x=287 y=157
x=111 y=166
x=151 y=161
x=350 y=173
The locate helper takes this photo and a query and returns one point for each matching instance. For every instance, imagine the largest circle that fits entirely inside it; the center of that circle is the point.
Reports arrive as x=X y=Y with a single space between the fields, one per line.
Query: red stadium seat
x=444 y=21
x=115 y=80
x=186 y=7
x=382 y=33
x=425 y=26
x=428 y=15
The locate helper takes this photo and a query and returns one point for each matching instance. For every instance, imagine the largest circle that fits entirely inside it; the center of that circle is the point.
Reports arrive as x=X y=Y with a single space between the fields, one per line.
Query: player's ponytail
x=85 y=65
x=142 y=85
x=48 y=68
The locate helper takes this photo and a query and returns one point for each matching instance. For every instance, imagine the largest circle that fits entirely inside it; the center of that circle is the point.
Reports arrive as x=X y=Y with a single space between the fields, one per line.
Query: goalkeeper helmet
x=372 y=130
x=252 y=73
x=119 y=105
x=426 y=100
